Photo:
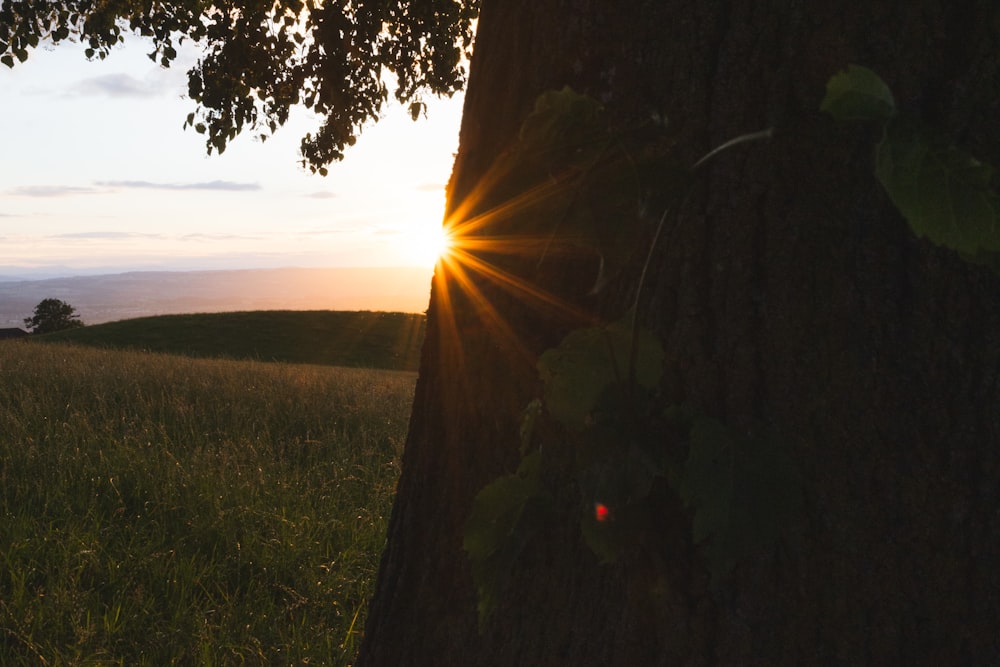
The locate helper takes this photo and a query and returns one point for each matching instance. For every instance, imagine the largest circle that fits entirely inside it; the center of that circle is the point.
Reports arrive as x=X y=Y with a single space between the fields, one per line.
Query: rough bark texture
x=788 y=293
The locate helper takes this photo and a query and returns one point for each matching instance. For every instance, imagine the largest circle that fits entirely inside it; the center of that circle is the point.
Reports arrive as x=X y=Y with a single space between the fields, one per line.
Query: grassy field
x=336 y=338
x=162 y=510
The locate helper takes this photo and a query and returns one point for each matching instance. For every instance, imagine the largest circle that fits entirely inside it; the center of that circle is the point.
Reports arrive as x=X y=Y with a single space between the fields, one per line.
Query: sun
x=438 y=243
x=428 y=245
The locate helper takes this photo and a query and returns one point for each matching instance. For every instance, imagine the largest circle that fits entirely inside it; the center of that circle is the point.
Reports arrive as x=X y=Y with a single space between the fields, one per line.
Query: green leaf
x=597 y=189
x=7 y=60
x=619 y=486
x=858 y=94
x=603 y=537
x=945 y=194
x=707 y=484
x=495 y=513
x=588 y=361
x=565 y=127
x=744 y=493
x=499 y=527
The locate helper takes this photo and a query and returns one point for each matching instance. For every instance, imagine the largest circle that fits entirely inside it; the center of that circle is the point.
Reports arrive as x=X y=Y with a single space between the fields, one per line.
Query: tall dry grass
x=164 y=510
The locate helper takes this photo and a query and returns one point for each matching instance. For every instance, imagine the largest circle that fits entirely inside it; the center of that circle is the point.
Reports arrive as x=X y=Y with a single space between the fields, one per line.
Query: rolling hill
x=336 y=338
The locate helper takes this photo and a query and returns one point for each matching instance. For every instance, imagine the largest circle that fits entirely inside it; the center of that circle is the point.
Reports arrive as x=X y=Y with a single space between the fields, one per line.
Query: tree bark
x=789 y=295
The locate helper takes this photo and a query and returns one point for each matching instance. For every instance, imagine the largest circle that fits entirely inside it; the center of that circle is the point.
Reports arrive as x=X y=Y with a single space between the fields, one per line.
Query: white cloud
x=117 y=84
x=231 y=186
x=51 y=191
x=105 y=235
x=218 y=237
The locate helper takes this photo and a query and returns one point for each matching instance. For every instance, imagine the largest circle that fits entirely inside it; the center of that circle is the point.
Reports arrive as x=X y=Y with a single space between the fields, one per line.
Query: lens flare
x=482 y=258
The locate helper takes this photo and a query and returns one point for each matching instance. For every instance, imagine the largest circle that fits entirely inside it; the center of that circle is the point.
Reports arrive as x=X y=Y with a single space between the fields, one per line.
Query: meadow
x=161 y=509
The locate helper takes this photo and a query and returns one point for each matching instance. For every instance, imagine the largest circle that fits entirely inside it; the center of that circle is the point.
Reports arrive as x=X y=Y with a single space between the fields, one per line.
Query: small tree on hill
x=52 y=315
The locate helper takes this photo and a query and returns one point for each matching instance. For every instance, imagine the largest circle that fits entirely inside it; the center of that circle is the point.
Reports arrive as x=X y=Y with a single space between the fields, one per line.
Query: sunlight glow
x=424 y=245
x=438 y=243
x=472 y=270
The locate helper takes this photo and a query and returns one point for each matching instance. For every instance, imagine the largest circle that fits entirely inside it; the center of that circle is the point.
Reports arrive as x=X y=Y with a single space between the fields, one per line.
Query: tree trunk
x=789 y=295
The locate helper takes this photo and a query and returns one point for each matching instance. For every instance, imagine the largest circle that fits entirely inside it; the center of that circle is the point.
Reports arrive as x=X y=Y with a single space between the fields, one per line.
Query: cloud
x=51 y=191
x=71 y=190
x=323 y=195
x=118 y=236
x=105 y=235
x=228 y=186
x=116 y=85
x=324 y=232
x=217 y=237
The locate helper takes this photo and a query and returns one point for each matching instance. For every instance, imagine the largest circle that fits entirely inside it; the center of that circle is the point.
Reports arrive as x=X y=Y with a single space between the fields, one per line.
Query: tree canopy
x=262 y=57
x=52 y=315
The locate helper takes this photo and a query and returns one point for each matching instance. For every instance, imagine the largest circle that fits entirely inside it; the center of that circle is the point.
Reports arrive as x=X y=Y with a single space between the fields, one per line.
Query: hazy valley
x=106 y=298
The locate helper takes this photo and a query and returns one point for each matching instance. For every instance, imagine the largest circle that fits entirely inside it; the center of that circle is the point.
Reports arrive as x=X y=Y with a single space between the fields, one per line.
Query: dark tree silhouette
x=791 y=298
x=789 y=295
x=52 y=315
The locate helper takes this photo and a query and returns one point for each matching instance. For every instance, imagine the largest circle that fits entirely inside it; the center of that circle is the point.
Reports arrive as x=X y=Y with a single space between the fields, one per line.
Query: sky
x=98 y=176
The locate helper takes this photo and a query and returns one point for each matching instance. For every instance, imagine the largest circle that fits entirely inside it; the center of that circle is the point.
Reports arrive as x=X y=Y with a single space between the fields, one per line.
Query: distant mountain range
x=106 y=298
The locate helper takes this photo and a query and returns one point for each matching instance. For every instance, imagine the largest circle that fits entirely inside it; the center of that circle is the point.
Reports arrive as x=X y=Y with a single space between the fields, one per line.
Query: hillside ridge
x=368 y=339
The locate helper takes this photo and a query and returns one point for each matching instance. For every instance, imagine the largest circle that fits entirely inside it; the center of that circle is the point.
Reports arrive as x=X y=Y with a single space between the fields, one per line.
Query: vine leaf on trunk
x=565 y=128
x=858 y=94
x=587 y=361
x=505 y=515
x=946 y=195
x=597 y=190
x=744 y=493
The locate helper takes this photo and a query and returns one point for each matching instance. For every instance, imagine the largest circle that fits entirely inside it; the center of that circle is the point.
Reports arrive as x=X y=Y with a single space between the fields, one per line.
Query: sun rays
x=483 y=261
x=431 y=246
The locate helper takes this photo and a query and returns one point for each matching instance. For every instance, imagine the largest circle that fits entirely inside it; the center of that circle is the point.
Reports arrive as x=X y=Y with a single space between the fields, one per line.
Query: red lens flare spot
x=601 y=512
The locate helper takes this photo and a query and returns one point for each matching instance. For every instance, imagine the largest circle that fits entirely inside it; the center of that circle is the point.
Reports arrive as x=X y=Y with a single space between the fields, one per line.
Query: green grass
x=336 y=338
x=162 y=510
